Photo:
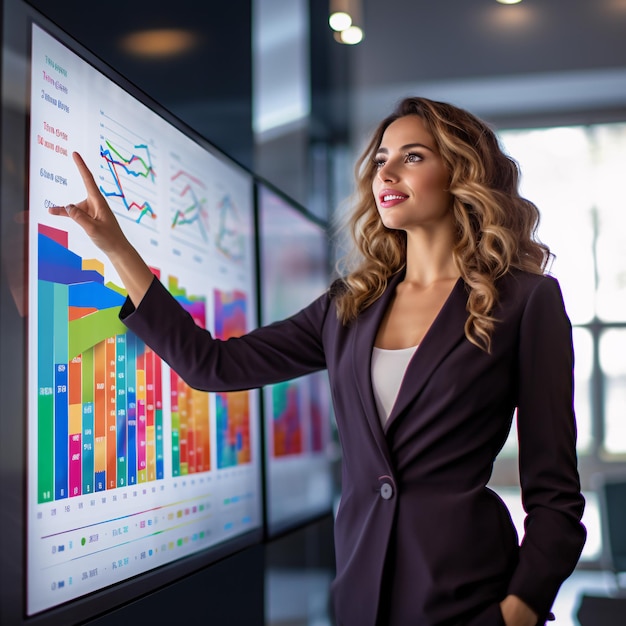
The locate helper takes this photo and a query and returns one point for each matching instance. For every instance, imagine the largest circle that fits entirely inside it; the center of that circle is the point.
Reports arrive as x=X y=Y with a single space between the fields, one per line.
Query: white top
x=388 y=369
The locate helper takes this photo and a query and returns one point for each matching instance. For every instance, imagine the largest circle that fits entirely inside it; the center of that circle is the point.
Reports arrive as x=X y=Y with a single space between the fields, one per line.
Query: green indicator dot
x=83 y=541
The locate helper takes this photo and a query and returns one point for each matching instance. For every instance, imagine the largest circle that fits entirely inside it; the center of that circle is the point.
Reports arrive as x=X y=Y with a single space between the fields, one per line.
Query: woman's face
x=411 y=182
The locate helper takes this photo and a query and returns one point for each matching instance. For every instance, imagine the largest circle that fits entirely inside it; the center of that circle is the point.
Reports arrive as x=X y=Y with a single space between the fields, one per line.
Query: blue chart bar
x=61 y=448
x=88 y=422
x=120 y=351
x=131 y=413
x=61 y=432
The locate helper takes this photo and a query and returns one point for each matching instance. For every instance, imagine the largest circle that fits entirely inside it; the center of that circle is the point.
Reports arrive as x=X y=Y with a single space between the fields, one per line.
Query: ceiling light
x=340 y=21
x=352 y=35
x=159 y=43
x=509 y=1
x=345 y=18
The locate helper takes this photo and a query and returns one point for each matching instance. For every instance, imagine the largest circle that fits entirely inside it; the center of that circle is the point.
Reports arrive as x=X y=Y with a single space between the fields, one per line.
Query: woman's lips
x=389 y=198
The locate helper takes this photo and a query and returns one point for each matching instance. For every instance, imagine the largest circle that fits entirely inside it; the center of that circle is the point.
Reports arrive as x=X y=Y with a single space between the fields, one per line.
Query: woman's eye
x=413 y=158
x=378 y=163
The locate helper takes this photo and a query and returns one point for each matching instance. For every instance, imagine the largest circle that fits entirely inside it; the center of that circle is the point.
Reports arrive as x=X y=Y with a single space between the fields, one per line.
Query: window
x=574 y=175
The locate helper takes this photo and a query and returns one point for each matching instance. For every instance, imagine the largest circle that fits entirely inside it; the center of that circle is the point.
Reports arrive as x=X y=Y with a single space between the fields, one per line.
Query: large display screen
x=298 y=414
x=129 y=468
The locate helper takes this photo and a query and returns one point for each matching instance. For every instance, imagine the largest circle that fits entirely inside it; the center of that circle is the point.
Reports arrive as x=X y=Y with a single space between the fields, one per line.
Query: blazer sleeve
x=554 y=536
x=270 y=354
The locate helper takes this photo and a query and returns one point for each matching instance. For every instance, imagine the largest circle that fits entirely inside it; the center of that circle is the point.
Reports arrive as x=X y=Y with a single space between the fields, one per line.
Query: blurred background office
x=274 y=86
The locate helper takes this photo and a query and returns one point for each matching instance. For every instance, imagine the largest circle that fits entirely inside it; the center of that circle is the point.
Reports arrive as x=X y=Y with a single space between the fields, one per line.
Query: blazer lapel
x=444 y=334
x=366 y=328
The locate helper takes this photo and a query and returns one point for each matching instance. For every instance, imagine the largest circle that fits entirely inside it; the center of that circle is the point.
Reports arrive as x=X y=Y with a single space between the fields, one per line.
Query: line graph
x=229 y=238
x=128 y=172
x=189 y=215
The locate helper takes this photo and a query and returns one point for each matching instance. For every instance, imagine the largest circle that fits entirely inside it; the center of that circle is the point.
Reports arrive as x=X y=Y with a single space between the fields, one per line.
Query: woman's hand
x=517 y=613
x=95 y=217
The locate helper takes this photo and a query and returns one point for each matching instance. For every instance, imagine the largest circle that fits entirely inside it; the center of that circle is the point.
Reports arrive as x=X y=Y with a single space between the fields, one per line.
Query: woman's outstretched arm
x=95 y=217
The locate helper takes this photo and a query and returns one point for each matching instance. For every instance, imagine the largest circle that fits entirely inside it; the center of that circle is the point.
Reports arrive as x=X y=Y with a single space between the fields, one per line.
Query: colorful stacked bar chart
x=191 y=445
x=100 y=423
x=233 y=429
x=287 y=418
x=232 y=409
x=230 y=313
x=300 y=411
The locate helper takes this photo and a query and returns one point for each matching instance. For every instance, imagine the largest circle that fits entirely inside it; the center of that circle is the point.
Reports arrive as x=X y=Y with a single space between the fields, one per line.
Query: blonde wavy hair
x=495 y=226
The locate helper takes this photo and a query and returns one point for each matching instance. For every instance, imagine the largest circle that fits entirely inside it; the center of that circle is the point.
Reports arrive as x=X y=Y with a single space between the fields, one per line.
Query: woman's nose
x=387 y=172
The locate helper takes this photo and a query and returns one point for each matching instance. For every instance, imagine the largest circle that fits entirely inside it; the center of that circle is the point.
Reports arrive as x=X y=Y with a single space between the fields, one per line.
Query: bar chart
x=232 y=409
x=100 y=423
x=191 y=449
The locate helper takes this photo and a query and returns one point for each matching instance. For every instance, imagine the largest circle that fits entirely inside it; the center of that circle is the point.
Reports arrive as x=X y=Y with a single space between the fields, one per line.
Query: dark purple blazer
x=419 y=538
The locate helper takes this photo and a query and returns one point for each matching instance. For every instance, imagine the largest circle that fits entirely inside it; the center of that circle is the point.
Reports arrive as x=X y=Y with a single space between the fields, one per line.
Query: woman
x=443 y=328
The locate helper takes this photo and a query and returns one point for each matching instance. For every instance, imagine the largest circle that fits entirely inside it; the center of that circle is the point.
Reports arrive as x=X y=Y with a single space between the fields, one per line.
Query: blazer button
x=386 y=491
